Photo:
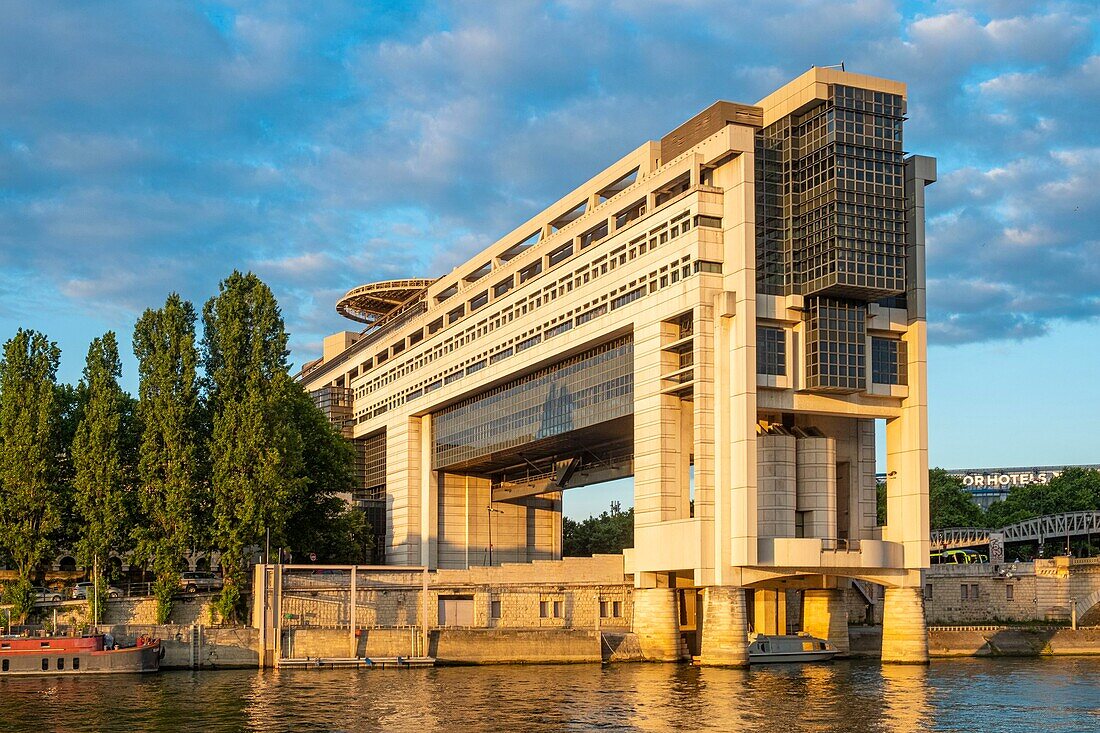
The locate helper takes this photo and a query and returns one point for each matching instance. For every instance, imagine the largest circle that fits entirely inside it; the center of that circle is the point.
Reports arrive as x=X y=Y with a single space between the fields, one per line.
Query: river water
x=1017 y=695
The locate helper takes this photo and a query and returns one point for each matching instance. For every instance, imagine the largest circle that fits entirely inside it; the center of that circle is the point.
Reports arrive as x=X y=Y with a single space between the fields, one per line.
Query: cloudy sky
x=152 y=146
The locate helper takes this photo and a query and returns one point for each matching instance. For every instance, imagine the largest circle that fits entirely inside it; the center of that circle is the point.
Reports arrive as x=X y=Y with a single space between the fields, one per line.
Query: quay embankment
x=945 y=642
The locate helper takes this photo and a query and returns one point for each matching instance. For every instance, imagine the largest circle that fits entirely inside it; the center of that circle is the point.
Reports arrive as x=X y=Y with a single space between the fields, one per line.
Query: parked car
x=46 y=595
x=83 y=591
x=200 y=581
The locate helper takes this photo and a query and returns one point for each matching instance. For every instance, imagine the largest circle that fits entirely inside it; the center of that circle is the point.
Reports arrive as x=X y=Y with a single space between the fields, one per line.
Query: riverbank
x=227 y=647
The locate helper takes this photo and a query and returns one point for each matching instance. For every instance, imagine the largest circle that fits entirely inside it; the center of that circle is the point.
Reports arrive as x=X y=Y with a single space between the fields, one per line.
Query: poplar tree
x=99 y=461
x=255 y=453
x=169 y=464
x=28 y=452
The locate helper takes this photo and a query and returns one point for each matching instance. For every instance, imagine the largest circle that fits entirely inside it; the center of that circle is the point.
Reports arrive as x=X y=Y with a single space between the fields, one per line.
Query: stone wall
x=1042 y=591
x=186 y=610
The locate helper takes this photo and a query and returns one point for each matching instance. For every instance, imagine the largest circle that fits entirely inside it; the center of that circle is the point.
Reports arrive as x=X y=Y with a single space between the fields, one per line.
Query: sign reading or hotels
x=1006 y=477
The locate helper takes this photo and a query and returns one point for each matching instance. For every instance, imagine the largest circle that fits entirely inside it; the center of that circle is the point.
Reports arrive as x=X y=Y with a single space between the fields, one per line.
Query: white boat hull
x=789 y=649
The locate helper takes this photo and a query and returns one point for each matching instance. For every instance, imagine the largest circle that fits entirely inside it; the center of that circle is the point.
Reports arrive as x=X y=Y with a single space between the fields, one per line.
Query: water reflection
x=856 y=697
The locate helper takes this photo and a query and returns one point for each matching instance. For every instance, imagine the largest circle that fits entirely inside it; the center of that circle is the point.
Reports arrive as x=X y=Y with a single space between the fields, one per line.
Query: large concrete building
x=722 y=314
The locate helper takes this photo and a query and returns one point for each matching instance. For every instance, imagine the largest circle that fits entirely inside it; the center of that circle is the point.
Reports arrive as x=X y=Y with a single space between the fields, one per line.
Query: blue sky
x=153 y=146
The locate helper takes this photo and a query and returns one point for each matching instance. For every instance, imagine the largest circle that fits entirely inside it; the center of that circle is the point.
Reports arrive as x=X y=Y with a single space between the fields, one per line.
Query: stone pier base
x=904 y=631
x=725 y=633
x=657 y=623
x=825 y=615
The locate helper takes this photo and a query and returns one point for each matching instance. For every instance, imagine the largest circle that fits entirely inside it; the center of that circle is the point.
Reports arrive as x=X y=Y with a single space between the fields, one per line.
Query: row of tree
x=220 y=447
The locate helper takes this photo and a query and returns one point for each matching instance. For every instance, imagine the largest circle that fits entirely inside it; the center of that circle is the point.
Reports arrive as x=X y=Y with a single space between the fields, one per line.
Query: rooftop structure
x=722 y=315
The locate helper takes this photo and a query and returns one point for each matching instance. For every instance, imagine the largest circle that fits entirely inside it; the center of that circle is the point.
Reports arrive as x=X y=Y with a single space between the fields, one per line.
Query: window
x=1009 y=591
x=927 y=591
x=558 y=609
x=617 y=609
x=888 y=361
x=76 y=662
x=479 y=300
x=628 y=297
x=964 y=592
x=530 y=271
x=771 y=350
x=502 y=287
x=974 y=592
x=544 y=609
x=61 y=663
x=560 y=328
x=605 y=609
x=559 y=254
x=494 y=609
x=6 y=665
x=713 y=222
x=45 y=664
x=707 y=266
x=456 y=314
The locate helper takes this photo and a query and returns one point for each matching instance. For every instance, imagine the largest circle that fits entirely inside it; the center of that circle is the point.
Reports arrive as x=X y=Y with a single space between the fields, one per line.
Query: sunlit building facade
x=722 y=315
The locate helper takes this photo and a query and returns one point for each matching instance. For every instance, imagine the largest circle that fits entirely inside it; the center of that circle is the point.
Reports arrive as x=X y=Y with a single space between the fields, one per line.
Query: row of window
x=5 y=665
x=659 y=235
x=971 y=592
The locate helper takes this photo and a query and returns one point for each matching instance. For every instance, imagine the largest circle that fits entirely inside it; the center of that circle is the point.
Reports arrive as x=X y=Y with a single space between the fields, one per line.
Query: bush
x=20 y=595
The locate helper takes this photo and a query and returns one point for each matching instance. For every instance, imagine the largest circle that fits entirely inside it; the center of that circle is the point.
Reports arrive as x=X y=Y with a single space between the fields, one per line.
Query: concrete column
x=904 y=632
x=825 y=615
x=775 y=485
x=725 y=635
x=657 y=623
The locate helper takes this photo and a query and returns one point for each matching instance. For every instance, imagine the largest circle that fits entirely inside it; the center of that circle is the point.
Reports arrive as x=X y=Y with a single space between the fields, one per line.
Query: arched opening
x=202 y=564
x=66 y=564
x=184 y=566
x=114 y=567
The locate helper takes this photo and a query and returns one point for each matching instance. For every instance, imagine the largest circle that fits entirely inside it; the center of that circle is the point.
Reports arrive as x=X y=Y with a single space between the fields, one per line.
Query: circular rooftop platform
x=368 y=303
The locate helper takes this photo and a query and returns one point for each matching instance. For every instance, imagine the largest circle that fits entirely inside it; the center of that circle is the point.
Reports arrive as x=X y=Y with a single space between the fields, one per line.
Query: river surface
x=1017 y=695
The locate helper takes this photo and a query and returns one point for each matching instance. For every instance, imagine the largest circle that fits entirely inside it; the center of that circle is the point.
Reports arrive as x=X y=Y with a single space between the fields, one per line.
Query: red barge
x=53 y=655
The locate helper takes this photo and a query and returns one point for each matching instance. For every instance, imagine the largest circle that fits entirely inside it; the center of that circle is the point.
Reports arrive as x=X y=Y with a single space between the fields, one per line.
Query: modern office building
x=722 y=315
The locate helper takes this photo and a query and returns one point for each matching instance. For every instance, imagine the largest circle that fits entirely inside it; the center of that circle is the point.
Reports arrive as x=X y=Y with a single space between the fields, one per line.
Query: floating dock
x=356 y=662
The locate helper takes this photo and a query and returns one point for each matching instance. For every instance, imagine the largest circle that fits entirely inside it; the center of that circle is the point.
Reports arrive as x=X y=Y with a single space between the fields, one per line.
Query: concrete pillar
x=725 y=635
x=825 y=615
x=904 y=632
x=657 y=623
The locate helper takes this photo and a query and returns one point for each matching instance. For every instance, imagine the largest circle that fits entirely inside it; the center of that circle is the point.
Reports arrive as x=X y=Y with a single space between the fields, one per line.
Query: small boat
x=51 y=655
x=764 y=649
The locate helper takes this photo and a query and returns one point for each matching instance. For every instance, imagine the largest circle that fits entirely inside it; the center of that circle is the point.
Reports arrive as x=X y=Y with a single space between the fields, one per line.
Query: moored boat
x=764 y=649
x=51 y=655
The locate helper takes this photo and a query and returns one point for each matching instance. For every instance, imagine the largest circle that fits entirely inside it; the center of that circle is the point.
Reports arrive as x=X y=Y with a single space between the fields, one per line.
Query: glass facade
x=889 y=361
x=370 y=489
x=771 y=350
x=830 y=222
x=579 y=392
x=836 y=345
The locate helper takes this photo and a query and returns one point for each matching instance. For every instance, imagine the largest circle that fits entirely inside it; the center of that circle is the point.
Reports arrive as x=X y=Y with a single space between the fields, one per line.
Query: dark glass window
x=771 y=350
x=888 y=361
x=836 y=344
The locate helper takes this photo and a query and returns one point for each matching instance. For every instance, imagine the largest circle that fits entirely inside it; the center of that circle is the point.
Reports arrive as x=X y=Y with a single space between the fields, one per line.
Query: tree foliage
x=255 y=454
x=169 y=464
x=949 y=503
x=609 y=533
x=29 y=513
x=101 y=464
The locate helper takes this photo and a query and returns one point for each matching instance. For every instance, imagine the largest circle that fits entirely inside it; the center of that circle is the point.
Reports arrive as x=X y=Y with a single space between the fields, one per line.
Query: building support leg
x=657 y=623
x=904 y=631
x=725 y=633
x=825 y=615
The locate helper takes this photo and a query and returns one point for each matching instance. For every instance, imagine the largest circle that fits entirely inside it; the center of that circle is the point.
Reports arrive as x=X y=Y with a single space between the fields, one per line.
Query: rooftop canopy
x=373 y=301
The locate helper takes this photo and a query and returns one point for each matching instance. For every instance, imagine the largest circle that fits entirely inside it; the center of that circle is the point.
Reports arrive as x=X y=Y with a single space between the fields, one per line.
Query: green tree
x=100 y=462
x=28 y=450
x=255 y=454
x=169 y=464
x=949 y=503
x=609 y=533
x=1075 y=489
x=319 y=518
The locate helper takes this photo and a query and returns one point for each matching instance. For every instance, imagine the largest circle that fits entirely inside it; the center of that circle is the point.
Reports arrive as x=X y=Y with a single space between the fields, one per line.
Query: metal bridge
x=1069 y=524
